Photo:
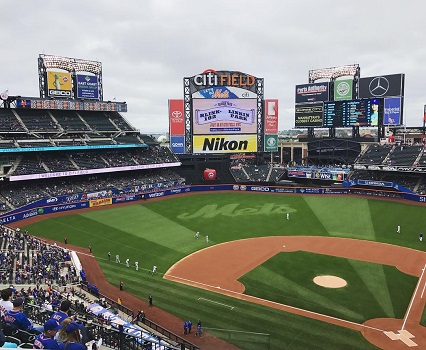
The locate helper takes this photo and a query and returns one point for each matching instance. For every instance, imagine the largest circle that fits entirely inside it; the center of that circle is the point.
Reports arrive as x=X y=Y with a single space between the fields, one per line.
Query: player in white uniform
x=136 y=266
x=127 y=262
x=117 y=258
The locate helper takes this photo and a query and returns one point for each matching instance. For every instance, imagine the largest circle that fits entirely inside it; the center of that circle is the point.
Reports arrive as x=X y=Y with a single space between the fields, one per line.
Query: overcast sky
x=147 y=47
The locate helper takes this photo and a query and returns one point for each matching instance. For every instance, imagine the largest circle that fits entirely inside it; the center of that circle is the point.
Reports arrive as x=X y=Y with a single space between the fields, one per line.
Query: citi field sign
x=211 y=77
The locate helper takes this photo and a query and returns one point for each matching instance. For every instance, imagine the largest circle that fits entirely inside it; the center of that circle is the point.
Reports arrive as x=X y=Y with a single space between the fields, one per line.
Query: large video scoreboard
x=363 y=112
x=355 y=102
x=223 y=112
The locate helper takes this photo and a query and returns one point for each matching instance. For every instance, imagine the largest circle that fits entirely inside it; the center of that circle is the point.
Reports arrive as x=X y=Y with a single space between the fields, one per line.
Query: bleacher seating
x=70 y=121
x=374 y=155
x=98 y=121
x=118 y=120
x=38 y=120
x=9 y=122
x=404 y=155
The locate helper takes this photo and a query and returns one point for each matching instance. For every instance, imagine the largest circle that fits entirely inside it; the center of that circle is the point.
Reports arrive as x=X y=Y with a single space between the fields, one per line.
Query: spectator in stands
x=16 y=319
x=62 y=314
x=46 y=339
x=5 y=303
x=73 y=337
x=61 y=336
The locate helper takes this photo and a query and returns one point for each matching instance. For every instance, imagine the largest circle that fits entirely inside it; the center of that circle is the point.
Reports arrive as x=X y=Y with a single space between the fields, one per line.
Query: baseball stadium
x=260 y=241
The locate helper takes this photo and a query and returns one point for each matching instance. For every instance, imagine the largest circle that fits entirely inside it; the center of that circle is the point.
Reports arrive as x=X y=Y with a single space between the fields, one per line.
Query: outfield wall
x=111 y=197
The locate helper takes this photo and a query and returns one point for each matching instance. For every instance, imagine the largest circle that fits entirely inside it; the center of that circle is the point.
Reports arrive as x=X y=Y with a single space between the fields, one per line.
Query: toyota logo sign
x=176 y=114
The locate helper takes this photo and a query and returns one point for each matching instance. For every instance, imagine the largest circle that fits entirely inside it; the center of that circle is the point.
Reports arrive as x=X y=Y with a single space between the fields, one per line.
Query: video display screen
x=363 y=112
x=224 y=116
x=309 y=115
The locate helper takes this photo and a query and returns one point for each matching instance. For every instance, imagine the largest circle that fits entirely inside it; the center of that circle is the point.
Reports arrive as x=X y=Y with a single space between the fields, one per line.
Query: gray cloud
x=148 y=46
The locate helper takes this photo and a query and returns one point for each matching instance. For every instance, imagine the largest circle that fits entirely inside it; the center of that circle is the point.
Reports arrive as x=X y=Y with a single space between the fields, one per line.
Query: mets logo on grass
x=224 y=143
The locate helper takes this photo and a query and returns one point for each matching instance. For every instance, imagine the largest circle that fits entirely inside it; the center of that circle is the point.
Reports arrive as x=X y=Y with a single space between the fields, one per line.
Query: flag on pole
x=4 y=95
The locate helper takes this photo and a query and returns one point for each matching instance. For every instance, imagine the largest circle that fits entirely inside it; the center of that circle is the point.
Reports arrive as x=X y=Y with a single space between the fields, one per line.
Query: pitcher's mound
x=330 y=281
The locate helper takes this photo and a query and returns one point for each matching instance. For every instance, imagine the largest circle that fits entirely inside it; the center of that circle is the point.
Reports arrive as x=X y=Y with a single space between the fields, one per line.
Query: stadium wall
x=81 y=201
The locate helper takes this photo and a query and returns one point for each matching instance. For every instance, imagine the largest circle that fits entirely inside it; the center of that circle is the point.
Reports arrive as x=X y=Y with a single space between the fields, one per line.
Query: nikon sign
x=224 y=143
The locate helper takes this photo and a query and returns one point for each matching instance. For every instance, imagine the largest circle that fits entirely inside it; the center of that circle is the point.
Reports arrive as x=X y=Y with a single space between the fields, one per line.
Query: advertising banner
x=87 y=86
x=271 y=143
x=343 y=89
x=176 y=117
x=100 y=202
x=224 y=92
x=224 y=143
x=392 y=113
x=315 y=92
x=309 y=115
x=271 y=116
x=177 y=144
x=59 y=84
x=213 y=116
x=381 y=86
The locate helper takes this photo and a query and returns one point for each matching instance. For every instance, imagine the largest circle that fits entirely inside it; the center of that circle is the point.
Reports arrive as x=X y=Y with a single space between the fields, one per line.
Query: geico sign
x=212 y=78
x=261 y=189
x=177 y=144
x=64 y=93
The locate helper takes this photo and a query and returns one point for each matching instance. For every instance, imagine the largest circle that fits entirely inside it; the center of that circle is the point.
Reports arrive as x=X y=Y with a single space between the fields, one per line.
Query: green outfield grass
x=372 y=290
x=162 y=232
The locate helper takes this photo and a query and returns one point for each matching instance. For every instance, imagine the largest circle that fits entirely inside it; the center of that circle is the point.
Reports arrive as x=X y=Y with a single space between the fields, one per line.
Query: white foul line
x=423 y=289
x=273 y=302
x=412 y=299
x=215 y=302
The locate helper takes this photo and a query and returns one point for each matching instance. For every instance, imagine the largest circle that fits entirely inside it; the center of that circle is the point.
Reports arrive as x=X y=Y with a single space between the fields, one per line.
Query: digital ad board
x=314 y=92
x=392 y=111
x=224 y=92
x=381 y=86
x=309 y=115
x=59 y=84
x=87 y=86
x=271 y=116
x=177 y=144
x=343 y=89
x=271 y=143
x=176 y=118
x=364 y=112
x=224 y=143
x=224 y=116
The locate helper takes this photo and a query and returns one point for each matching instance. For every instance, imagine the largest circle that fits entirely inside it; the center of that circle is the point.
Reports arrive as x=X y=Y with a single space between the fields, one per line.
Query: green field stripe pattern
x=342 y=217
x=354 y=221
x=287 y=278
x=162 y=232
x=139 y=220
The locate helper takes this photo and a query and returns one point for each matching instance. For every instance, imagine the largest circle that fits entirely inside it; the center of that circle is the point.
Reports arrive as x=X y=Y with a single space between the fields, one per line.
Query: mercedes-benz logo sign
x=379 y=86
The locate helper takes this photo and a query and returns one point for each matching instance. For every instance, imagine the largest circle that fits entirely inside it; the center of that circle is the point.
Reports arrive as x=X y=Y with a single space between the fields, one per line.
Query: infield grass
x=162 y=232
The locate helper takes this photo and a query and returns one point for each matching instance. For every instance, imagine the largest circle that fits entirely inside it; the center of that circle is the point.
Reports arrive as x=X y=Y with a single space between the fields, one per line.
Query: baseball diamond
x=256 y=273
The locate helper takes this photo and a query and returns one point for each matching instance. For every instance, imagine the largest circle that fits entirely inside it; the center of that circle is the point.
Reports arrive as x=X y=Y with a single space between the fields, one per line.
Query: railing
x=145 y=321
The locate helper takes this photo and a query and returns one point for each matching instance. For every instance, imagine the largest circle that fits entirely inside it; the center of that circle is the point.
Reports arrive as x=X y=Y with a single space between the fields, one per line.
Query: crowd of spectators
x=24 y=192
x=25 y=259
x=48 y=310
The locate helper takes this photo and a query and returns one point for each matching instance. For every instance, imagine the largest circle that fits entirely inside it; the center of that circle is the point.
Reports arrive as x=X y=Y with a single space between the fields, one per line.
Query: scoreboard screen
x=364 y=112
x=334 y=114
